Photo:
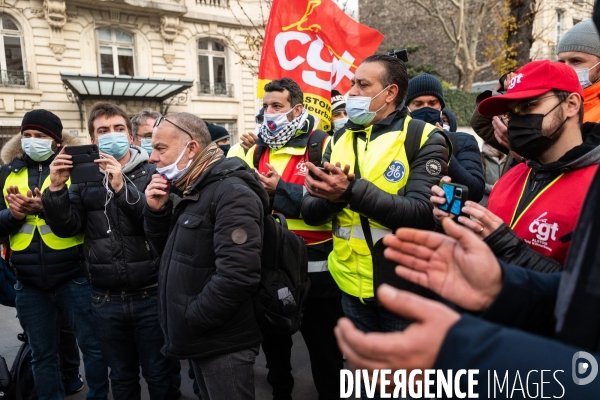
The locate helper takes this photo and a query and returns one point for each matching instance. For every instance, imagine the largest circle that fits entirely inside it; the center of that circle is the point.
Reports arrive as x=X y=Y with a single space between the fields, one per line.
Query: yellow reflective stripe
x=512 y=226
x=300 y=225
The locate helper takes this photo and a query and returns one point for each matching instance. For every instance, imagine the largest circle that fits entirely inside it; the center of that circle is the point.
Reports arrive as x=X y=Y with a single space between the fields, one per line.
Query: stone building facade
x=192 y=45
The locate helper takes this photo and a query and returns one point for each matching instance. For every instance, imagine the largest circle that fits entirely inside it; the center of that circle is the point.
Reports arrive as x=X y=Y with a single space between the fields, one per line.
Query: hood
x=234 y=166
x=451 y=120
x=138 y=156
x=12 y=150
x=584 y=155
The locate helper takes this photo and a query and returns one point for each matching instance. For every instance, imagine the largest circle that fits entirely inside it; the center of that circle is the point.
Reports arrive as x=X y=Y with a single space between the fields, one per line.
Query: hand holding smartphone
x=456 y=196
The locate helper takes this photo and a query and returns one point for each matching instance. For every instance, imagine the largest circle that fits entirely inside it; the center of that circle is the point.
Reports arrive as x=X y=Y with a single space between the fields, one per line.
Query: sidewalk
x=303 y=387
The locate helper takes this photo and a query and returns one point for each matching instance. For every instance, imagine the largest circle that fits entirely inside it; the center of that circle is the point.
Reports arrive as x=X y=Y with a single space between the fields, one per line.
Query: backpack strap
x=219 y=189
x=412 y=144
x=454 y=141
x=258 y=152
x=314 y=148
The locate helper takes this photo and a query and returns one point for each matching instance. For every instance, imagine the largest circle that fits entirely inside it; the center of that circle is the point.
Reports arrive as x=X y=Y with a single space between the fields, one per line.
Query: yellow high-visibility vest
x=384 y=163
x=22 y=239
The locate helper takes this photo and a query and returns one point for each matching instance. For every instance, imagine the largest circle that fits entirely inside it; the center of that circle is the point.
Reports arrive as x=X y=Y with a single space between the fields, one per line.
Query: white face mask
x=37 y=149
x=446 y=127
x=339 y=124
x=171 y=172
x=275 y=122
x=584 y=76
x=357 y=108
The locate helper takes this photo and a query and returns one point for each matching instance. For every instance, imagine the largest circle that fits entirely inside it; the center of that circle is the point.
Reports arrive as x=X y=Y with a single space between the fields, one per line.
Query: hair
x=395 y=74
x=562 y=96
x=295 y=95
x=105 y=109
x=141 y=117
x=194 y=125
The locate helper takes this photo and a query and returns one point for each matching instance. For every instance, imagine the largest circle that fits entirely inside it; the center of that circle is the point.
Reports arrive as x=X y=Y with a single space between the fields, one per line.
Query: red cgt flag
x=317 y=45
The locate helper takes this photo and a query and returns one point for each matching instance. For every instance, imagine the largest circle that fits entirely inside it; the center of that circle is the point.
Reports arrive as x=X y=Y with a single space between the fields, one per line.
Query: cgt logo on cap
x=581 y=368
x=515 y=79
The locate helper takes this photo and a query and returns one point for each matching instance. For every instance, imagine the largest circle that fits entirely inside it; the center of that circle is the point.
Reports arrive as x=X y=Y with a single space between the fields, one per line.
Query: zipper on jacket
x=43 y=264
x=40 y=178
x=534 y=183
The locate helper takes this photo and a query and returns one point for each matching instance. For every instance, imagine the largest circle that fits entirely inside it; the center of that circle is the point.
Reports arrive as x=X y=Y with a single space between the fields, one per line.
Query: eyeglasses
x=161 y=119
x=523 y=107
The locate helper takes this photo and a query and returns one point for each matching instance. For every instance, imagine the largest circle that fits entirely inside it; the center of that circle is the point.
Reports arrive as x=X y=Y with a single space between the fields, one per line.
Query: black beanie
x=43 y=121
x=425 y=85
x=337 y=101
x=217 y=132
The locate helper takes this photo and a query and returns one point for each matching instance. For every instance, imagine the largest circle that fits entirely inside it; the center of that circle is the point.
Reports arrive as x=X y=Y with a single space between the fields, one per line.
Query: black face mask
x=427 y=114
x=225 y=148
x=525 y=134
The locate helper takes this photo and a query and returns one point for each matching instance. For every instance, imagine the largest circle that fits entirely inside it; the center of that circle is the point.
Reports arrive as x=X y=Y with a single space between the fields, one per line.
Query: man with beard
x=533 y=209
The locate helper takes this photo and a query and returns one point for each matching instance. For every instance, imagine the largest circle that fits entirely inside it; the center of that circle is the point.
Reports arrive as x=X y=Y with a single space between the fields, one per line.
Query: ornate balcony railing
x=15 y=78
x=217 y=3
x=217 y=89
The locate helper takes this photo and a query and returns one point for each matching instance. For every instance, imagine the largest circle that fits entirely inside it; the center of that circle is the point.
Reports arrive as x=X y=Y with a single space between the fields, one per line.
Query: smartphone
x=315 y=177
x=84 y=168
x=456 y=196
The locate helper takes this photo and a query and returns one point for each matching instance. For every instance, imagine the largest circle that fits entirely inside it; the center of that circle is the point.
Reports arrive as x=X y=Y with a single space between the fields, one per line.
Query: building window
x=12 y=67
x=231 y=127
x=213 y=69
x=559 y=24
x=116 y=52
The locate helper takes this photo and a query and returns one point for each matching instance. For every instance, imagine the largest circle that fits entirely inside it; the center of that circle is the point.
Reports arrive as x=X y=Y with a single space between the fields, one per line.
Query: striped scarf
x=210 y=155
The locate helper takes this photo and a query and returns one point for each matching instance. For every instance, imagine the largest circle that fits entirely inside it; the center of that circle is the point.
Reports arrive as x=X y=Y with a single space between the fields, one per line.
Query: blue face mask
x=146 y=144
x=115 y=144
x=427 y=114
x=37 y=149
x=358 y=107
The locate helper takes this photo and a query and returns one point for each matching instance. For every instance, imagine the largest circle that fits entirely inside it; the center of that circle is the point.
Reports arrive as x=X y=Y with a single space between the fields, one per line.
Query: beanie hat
x=337 y=101
x=425 y=85
x=583 y=38
x=43 y=121
x=217 y=132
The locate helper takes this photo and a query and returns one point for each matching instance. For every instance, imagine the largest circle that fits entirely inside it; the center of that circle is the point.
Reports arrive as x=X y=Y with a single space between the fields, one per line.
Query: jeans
x=227 y=376
x=68 y=350
x=320 y=317
x=130 y=336
x=40 y=313
x=370 y=317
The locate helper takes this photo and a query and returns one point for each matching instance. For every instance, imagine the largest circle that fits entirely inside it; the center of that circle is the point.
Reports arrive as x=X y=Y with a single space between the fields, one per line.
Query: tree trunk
x=469 y=79
x=521 y=34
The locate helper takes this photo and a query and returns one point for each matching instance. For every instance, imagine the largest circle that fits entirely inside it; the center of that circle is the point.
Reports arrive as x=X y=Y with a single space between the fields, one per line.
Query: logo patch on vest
x=544 y=231
x=395 y=172
x=433 y=167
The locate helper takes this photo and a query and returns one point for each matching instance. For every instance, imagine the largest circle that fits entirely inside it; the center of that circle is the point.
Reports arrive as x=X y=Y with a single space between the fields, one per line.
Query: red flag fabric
x=317 y=45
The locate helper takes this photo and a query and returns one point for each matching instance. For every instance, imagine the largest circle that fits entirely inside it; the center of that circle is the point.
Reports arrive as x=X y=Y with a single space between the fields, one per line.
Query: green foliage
x=461 y=103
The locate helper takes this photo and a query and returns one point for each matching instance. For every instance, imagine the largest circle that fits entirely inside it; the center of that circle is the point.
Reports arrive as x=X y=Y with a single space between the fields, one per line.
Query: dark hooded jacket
x=209 y=271
x=37 y=265
x=465 y=167
x=117 y=254
x=505 y=244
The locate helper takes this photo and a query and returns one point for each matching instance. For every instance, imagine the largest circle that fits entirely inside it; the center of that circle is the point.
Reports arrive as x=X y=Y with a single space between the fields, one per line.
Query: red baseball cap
x=532 y=80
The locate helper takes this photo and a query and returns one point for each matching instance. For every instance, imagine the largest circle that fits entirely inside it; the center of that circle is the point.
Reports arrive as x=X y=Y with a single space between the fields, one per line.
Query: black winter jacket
x=466 y=168
x=410 y=208
x=117 y=257
x=209 y=272
x=37 y=265
x=505 y=244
